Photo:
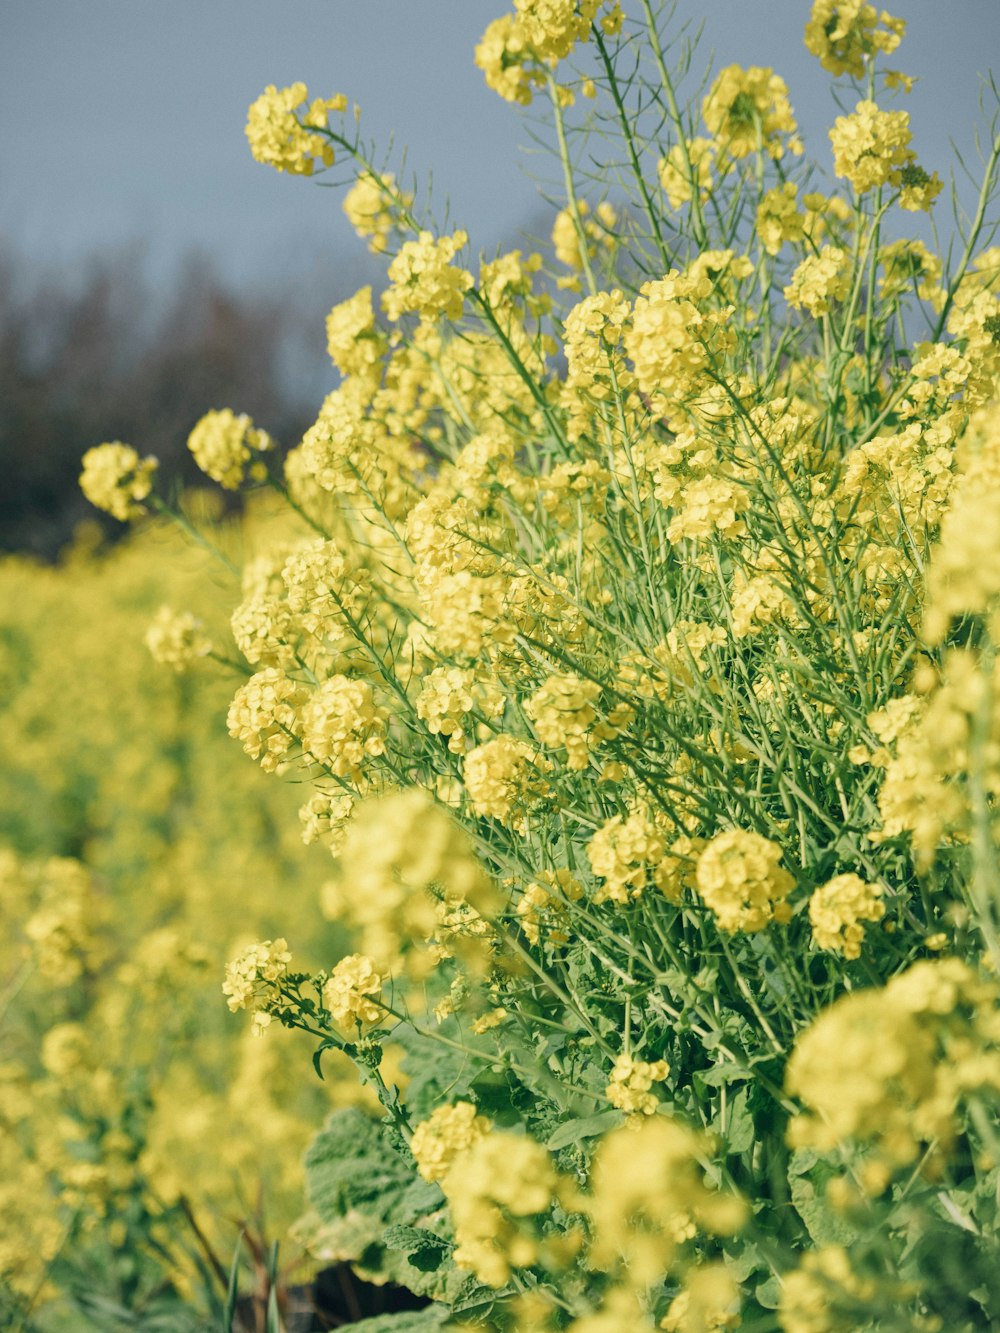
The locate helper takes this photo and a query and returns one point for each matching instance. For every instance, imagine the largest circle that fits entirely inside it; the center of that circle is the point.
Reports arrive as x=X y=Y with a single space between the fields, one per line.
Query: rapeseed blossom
x=282 y=128
x=117 y=480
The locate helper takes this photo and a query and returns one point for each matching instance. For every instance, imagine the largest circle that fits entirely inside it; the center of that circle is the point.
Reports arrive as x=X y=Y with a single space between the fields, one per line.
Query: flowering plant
x=636 y=646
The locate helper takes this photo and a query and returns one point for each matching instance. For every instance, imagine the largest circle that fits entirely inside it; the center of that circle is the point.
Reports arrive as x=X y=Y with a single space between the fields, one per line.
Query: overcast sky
x=123 y=119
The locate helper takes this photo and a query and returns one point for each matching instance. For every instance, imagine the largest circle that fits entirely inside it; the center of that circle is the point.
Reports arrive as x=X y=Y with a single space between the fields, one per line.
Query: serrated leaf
x=423 y=1249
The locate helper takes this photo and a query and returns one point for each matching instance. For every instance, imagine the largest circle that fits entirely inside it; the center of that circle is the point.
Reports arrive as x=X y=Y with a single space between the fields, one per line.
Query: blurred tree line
x=103 y=354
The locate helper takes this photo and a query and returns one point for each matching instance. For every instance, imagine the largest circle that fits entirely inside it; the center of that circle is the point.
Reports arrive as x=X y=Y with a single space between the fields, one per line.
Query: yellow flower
x=564 y=715
x=424 y=280
x=348 y=992
x=264 y=716
x=116 y=479
x=749 y=108
x=739 y=878
x=251 y=976
x=687 y=166
x=224 y=446
x=837 y=909
x=649 y=1195
x=281 y=132
x=891 y=1066
x=871 y=146
x=629 y=1086
x=597 y=230
x=342 y=726
x=627 y=852
x=449 y=1131
x=503 y=779
x=811 y=1293
x=375 y=206
x=352 y=340
x=778 y=220
x=496 y=1189
x=502 y=54
x=843 y=34
x=177 y=639
x=819 y=281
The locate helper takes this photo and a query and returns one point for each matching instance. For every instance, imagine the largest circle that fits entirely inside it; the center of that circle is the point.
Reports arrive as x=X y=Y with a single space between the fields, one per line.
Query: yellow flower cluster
x=964 y=575
x=450 y=698
x=177 y=639
x=708 y=1303
x=264 y=716
x=844 y=34
x=342 y=726
x=778 y=219
x=596 y=232
x=563 y=712
x=924 y=792
x=502 y=54
x=351 y=992
x=595 y=371
x=739 y=878
x=749 y=108
x=824 y=1294
x=225 y=446
x=496 y=1190
x=352 y=340
x=424 y=280
x=117 y=480
x=516 y=49
x=673 y=335
x=871 y=146
x=630 y=1083
x=687 y=167
x=628 y=852
x=326 y=591
x=375 y=206
x=837 y=909
x=819 y=281
x=553 y=27
x=404 y=862
x=62 y=931
x=251 y=977
x=542 y=908
x=282 y=131
x=892 y=1066
x=649 y=1196
x=908 y=266
x=503 y=780
x=439 y=1140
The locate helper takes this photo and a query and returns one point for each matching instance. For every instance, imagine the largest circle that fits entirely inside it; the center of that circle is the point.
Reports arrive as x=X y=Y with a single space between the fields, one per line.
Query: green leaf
x=722 y=1075
x=740 y=1134
x=824 y=1225
x=768 y=1293
x=585 y=1127
x=423 y=1249
x=362 y=1188
x=410 y=1321
x=232 y=1291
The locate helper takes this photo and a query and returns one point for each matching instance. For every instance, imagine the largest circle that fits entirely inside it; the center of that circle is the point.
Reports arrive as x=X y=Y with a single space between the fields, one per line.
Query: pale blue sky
x=124 y=118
